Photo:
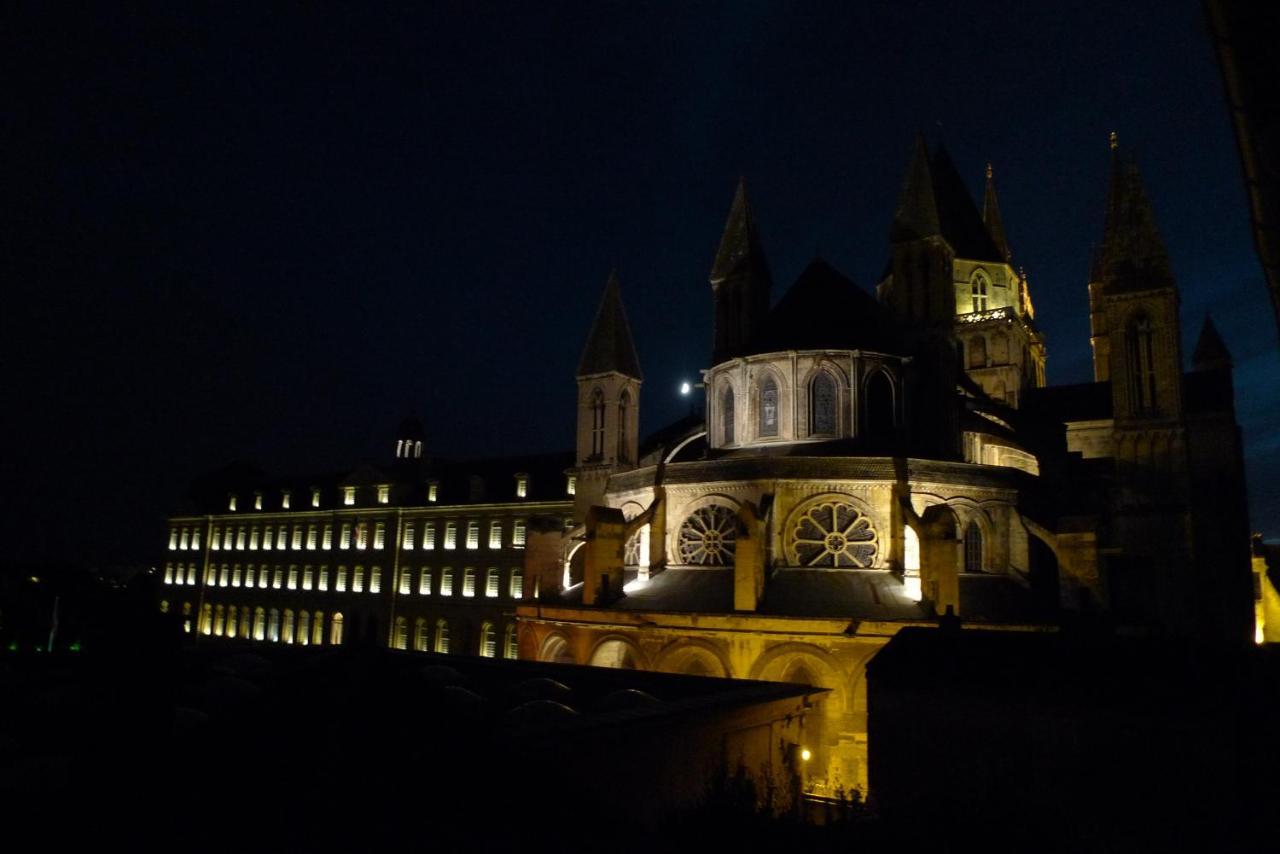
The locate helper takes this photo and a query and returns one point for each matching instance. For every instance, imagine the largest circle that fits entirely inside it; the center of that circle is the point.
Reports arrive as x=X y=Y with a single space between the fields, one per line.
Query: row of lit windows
x=308 y=578
x=305 y=628
x=382 y=491
x=429 y=637
x=350 y=534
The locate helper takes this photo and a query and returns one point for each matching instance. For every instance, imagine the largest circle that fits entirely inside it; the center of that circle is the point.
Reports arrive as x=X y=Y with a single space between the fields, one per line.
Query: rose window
x=832 y=533
x=706 y=537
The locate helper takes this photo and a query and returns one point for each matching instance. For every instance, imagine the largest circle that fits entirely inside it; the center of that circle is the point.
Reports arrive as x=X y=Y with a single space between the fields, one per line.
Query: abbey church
x=863 y=461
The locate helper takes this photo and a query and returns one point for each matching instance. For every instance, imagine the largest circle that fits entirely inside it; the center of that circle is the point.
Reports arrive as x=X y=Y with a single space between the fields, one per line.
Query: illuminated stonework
x=831 y=533
x=707 y=537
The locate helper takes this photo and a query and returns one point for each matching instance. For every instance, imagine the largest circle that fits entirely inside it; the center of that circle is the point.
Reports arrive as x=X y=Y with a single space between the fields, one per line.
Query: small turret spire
x=991 y=217
x=917 y=212
x=1133 y=255
x=1211 y=351
x=610 y=347
x=740 y=281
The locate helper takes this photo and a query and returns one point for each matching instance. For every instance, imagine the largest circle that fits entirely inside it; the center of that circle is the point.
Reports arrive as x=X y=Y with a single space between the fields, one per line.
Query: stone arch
x=976 y=355
x=940 y=557
x=825 y=369
x=555 y=648
x=861 y=544
x=618 y=652
x=693 y=657
x=763 y=375
x=675 y=533
x=879 y=402
x=778 y=661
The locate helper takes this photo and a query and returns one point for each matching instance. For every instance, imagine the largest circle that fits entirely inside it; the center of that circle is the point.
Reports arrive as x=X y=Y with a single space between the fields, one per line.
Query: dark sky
x=266 y=233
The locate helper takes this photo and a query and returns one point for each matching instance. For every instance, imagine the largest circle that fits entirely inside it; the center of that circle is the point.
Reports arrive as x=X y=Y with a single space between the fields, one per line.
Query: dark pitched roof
x=741 y=251
x=916 y=216
x=1133 y=255
x=1211 y=351
x=610 y=347
x=961 y=223
x=991 y=217
x=825 y=310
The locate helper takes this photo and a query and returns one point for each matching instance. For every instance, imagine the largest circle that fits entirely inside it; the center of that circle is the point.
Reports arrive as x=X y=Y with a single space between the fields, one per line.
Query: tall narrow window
x=173 y=538
x=380 y=535
x=421 y=639
x=510 y=643
x=433 y=491
x=491 y=581
x=304 y=628
x=973 y=548
x=315 y=497
x=168 y=573
x=277 y=578
x=340 y=583
x=429 y=535
x=375 y=580
x=597 y=424
x=473 y=534
x=517 y=534
x=282 y=537
x=195 y=539
x=384 y=494
x=357 y=580
x=451 y=535
x=249 y=576
x=293 y=577
x=240 y=534
x=285 y=498
x=235 y=575
x=224 y=577
x=405 y=585
x=980 y=291
x=228 y=534
x=288 y=625
x=219 y=620
x=326 y=539
x=362 y=535
x=297 y=537
x=1142 y=370
x=344 y=537
x=231 y=503
x=257 y=501
x=522 y=486
x=311 y=537
x=185 y=542
x=406 y=538
x=769 y=408
x=253 y=538
x=571 y=485
x=488 y=640
x=424 y=581
x=878 y=405
x=401 y=638
x=727 y=415
x=469 y=581
x=348 y=499
x=822 y=405
x=259 y=624
x=446 y=581
x=191 y=573
x=308 y=577
x=335 y=629
x=324 y=578
x=516 y=587
x=215 y=540
x=495 y=534
x=442 y=636
x=317 y=629
x=273 y=625
x=624 y=408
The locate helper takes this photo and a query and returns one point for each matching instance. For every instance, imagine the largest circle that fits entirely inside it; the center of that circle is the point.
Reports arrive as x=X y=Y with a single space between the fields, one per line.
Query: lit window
x=224 y=576
x=240 y=538
x=442 y=636
x=259 y=624
x=273 y=626
x=510 y=645
x=168 y=573
x=297 y=537
x=446 y=581
x=384 y=494
x=231 y=503
x=173 y=538
x=311 y=537
x=473 y=534
x=249 y=576
x=210 y=576
x=362 y=535
x=335 y=629
x=469 y=581
x=979 y=291
x=277 y=578
x=491 y=581
x=285 y=497
x=488 y=640
x=517 y=534
x=315 y=498
x=268 y=538
x=344 y=538
x=429 y=535
x=348 y=495
x=215 y=541
x=264 y=577
x=307 y=577
x=304 y=628
x=164 y=606
x=324 y=578
x=571 y=486
x=406 y=541
x=293 y=577
x=185 y=542
x=191 y=574
x=288 y=625
x=517 y=583
x=424 y=581
x=257 y=501
x=253 y=538
x=380 y=535
x=375 y=580
x=768 y=425
x=433 y=491
x=495 y=534
x=522 y=486
x=228 y=536
x=195 y=538
x=186 y=626
x=317 y=629
x=206 y=619
x=282 y=537
x=341 y=586
x=451 y=535
x=235 y=575
x=326 y=540
x=400 y=639
x=357 y=580
x=406 y=582
x=421 y=639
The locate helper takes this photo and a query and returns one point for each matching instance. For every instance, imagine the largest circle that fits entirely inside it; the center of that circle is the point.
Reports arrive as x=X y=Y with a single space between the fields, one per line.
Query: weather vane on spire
x=1115 y=141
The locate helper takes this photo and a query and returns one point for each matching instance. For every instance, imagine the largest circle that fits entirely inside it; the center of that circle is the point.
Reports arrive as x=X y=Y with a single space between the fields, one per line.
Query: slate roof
x=935 y=203
x=610 y=347
x=826 y=310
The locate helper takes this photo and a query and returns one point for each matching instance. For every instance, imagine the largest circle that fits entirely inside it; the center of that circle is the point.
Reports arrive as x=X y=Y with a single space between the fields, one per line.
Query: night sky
x=267 y=234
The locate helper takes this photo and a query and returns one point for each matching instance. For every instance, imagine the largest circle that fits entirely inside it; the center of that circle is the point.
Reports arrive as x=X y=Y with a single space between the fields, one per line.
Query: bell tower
x=609 y=380
x=740 y=282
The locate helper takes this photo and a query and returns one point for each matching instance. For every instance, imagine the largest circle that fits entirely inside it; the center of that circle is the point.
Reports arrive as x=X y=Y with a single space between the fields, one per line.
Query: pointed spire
x=917 y=212
x=1211 y=352
x=1133 y=255
x=991 y=217
x=610 y=347
x=740 y=246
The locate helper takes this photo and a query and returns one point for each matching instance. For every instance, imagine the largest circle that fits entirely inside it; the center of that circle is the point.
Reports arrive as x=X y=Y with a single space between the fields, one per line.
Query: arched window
x=1142 y=371
x=491 y=581
x=973 y=548
x=246 y=622
x=317 y=629
x=597 y=424
x=421 y=641
x=980 y=290
x=357 y=580
x=335 y=629
x=624 y=406
x=273 y=625
x=442 y=636
x=304 y=628
x=469 y=581
x=822 y=405
x=768 y=408
x=401 y=639
x=488 y=640
x=288 y=625
x=232 y=620
x=206 y=619
x=878 y=405
x=510 y=643
x=259 y=624
x=978 y=352
x=219 y=617
x=417 y=449
x=516 y=588
x=727 y=414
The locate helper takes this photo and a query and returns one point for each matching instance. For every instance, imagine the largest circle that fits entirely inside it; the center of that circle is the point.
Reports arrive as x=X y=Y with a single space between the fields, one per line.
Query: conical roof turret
x=991 y=217
x=741 y=251
x=610 y=347
x=1132 y=256
x=916 y=216
x=1211 y=351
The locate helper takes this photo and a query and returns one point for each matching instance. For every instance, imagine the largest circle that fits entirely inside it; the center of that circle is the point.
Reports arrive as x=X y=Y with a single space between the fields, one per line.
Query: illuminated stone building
x=865 y=463
x=869 y=463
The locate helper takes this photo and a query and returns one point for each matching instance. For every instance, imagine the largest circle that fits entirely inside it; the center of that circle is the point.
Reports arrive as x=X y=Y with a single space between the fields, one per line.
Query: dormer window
x=433 y=491
x=284 y=499
x=231 y=503
x=315 y=497
x=348 y=495
x=257 y=501
x=571 y=485
x=522 y=486
x=384 y=494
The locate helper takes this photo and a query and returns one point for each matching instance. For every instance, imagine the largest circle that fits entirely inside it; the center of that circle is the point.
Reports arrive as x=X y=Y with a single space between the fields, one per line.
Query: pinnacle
x=610 y=347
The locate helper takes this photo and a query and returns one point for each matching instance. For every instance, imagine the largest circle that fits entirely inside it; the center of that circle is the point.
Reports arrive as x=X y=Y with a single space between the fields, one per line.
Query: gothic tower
x=608 y=401
x=919 y=287
x=740 y=282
